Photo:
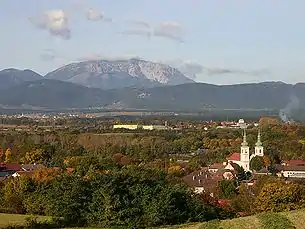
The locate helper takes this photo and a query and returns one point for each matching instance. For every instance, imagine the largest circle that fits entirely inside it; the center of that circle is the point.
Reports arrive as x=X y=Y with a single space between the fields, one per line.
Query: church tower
x=259 y=149
x=245 y=153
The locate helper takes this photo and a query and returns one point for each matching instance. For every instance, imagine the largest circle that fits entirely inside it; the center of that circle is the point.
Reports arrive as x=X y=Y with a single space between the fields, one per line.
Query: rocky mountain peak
x=107 y=74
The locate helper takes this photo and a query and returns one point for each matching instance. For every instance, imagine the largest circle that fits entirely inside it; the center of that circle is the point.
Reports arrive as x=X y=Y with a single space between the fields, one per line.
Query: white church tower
x=245 y=154
x=259 y=149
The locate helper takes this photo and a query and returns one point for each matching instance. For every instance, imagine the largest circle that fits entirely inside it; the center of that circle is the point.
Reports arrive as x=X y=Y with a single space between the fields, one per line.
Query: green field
x=284 y=220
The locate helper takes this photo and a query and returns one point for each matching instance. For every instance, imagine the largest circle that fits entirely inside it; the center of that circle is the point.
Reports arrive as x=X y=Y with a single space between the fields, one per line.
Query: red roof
x=296 y=162
x=12 y=167
x=69 y=170
x=234 y=157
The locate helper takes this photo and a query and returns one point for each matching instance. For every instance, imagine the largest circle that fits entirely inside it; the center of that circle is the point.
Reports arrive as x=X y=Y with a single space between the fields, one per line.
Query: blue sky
x=234 y=41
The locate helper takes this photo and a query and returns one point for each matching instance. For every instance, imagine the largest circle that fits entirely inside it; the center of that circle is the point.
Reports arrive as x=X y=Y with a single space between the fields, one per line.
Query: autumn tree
x=15 y=191
x=34 y=156
x=257 y=163
x=8 y=155
x=46 y=174
x=1 y=155
x=278 y=196
x=175 y=170
x=267 y=161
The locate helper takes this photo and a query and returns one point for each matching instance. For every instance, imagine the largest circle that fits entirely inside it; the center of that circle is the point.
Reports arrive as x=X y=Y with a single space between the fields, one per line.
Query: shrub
x=275 y=221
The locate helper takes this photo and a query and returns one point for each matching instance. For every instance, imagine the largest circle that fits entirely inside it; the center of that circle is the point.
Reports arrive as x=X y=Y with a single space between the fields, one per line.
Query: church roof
x=234 y=157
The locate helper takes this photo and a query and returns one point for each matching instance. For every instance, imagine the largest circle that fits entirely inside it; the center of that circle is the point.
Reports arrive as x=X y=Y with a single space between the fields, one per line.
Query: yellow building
x=154 y=127
x=128 y=127
x=144 y=127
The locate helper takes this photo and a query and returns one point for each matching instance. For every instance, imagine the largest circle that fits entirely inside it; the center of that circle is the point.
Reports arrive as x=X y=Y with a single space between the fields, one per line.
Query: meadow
x=287 y=220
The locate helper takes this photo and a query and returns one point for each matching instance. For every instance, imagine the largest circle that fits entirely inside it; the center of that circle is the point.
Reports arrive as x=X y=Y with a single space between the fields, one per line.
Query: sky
x=215 y=41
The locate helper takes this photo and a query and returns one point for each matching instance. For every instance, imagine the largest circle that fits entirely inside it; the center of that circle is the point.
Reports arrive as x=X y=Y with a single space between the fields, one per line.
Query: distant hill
x=12 y=77
x=106 y=74
x=52 y=94
x=190 y=97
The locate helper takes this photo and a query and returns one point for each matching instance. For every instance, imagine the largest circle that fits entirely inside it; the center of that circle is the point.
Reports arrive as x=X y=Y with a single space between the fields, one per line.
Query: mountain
x=187 y=97
x=11 y=77
x=52 y=94
x=106 y=74
x=200 y=96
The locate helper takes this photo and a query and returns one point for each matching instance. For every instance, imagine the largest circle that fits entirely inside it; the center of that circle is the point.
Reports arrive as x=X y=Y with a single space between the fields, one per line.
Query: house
x=12 y=167
x=198 y=180
x=227 y=174
x=203 y=181
x=215 y=167
x=263 y=171
x=31 y=167
x=292 y=172
x=294 y=163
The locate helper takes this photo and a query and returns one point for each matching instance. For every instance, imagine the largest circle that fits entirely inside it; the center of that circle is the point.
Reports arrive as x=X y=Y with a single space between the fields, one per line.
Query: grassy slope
x=14 y=219
x=287 y=220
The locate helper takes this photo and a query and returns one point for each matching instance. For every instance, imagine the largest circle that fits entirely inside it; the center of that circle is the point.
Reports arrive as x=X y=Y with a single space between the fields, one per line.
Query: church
x=243 y=158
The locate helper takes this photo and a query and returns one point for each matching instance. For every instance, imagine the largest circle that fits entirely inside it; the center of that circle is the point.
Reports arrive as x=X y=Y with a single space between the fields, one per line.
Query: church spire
x=244 y=143
x=258 y=143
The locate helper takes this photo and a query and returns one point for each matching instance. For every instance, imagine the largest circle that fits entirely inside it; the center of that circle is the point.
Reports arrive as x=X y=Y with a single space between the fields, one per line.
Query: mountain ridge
x=194 y=96
x=10 y=77
x=110 y=74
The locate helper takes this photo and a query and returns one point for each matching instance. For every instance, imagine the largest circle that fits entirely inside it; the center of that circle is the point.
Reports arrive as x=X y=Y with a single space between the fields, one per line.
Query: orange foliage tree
x=46 y=174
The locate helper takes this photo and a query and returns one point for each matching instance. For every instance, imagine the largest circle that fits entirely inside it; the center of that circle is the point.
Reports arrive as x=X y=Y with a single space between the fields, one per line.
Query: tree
x=243 y=202
x=278 y=196
x=15 y=191
x=46 y=175
x=227 y=188
x=267 y=161
x=68 y=197
x=175 y=170
x=257 y=163
x=1 y=155
x=34 y=156
x=8 y=155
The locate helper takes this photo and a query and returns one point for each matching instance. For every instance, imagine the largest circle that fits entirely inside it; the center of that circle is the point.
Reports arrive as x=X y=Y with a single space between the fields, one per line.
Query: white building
x=243 y=158
x=293 y=172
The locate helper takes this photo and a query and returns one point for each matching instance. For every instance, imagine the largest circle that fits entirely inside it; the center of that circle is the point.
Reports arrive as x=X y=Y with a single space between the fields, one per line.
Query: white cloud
x=168 y=29
x=94 y=15
x=193 y=68
x=56 y=22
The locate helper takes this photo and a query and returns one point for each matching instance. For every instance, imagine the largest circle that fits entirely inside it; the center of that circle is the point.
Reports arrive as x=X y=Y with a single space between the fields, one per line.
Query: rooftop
x=293 y=168
x=234 y=157
x=296 y=163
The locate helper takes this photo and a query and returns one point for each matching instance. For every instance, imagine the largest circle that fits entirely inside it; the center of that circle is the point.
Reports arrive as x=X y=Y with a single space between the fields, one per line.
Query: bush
x=275 y=221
